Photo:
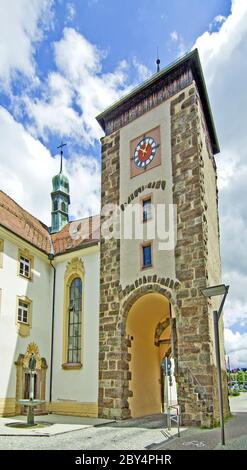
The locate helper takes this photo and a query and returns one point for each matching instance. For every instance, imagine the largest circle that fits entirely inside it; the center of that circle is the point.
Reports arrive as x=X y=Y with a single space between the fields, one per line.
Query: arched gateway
x=148 y=329
x=130 y=361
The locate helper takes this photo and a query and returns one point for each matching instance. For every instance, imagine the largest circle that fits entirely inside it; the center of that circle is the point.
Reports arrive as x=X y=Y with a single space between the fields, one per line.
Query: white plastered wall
x=39 y=291
x=78 y=385
x=130 y=251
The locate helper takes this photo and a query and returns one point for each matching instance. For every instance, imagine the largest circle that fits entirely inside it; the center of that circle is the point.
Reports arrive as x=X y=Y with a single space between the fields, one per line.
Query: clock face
x=145 y=152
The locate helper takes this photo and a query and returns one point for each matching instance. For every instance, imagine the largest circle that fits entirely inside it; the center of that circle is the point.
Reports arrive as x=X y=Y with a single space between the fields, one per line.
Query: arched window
x=63 y=207
x=74 y=321
x=55 y=205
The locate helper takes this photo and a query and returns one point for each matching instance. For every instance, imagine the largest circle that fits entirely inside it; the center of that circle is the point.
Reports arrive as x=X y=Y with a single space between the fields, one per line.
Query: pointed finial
x=61 y=153
x=158 y=61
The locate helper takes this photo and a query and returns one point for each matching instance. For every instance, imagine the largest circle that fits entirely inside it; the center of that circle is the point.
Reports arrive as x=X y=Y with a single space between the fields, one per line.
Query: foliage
x=234 y=393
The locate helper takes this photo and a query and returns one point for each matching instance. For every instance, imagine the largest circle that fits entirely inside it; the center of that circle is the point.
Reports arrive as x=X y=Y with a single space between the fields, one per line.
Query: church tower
x=159 y=149
x=60 y=200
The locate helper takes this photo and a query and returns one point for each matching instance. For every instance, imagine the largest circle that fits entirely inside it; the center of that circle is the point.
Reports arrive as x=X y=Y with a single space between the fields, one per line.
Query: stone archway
x=114 y=345
x=164 y=289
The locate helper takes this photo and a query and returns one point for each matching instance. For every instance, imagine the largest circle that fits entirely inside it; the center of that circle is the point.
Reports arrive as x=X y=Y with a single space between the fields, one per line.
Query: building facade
x=106 y=309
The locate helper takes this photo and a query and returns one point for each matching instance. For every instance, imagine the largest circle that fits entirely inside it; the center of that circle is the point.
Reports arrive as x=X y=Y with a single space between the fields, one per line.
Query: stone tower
x=60 y=202
x=159 y=148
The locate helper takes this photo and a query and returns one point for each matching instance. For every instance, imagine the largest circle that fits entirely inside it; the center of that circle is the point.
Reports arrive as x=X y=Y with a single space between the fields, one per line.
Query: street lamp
x=212 y=292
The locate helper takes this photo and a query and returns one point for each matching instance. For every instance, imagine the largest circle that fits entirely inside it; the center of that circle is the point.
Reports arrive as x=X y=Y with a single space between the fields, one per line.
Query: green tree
x=240 y=376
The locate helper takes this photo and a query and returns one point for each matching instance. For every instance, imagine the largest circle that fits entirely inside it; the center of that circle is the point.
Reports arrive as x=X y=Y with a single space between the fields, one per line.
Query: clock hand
x=144 y=150
x=146 y=146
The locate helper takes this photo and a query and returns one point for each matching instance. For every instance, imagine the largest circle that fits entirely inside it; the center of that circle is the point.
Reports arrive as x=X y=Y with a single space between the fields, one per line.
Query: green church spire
x=60 y=199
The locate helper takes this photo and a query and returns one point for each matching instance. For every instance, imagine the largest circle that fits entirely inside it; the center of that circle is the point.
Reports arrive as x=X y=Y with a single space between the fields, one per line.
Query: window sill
x=28 y=278
x=150 y=266
x=72 y=365
x=145 y=221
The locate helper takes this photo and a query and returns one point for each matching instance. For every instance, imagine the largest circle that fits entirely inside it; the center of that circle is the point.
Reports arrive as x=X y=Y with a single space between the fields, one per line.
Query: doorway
x=148 y=329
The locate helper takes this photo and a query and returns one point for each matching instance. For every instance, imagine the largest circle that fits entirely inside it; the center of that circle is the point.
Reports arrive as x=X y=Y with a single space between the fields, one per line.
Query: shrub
x=234 y=393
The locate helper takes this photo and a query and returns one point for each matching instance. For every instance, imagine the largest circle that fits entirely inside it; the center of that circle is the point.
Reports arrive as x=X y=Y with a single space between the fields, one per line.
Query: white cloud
x=77 y=92
x=220 y=19
x=236 y=348
x=223 y=55
x=54 y=112
x=143 y=72
x=174 y=36
x=21 y=25
x=235 y=310
x=26 y=169
x=217 y=21
x=178 y=41
x=218 y=49
x=71 y=12
x=85 y=178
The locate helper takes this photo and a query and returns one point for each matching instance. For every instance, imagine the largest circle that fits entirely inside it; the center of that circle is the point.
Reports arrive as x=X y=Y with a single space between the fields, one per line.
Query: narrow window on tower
x=147 y=209
x=147 y=255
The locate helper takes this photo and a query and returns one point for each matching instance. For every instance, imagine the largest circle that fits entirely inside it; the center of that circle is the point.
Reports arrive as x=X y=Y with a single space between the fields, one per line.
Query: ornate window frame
x=25 y=254
x=74 y=269
x=23 y=329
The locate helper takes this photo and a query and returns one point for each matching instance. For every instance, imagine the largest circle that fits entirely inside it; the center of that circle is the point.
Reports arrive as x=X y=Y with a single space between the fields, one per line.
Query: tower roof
x=60 y=182
x=110 y=119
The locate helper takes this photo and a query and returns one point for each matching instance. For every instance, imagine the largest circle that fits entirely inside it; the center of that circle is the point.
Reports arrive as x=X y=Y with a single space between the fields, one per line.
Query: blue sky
x=62 y=62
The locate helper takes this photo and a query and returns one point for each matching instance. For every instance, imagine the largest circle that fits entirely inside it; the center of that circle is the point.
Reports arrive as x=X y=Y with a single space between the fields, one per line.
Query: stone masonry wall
x=112 y=344
x=196 y=378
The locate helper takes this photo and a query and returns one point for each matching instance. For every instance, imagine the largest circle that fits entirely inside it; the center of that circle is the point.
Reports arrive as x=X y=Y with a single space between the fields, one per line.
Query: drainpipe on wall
x=51 y=258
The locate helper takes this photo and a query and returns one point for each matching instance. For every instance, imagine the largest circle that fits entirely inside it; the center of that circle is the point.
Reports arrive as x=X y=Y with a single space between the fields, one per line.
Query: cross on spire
x=61 y=153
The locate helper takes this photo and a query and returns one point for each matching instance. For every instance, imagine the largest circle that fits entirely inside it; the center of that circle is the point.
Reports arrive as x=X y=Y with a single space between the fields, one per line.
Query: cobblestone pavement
x=125 y=435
